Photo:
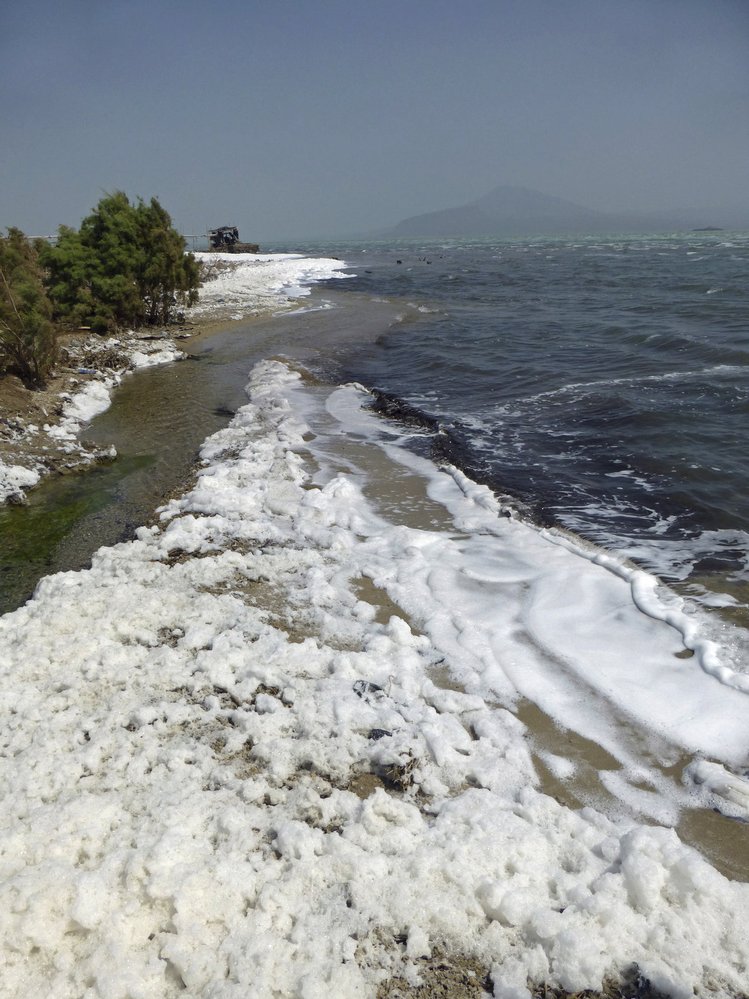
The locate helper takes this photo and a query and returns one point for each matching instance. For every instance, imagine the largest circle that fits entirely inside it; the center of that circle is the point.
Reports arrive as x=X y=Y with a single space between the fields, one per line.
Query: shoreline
x=259 y=770
x=157 y=423
x=40 y=429
x=300 y=782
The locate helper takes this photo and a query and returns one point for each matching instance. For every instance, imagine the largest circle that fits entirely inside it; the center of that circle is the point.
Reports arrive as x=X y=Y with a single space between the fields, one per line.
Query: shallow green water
x=33 y=538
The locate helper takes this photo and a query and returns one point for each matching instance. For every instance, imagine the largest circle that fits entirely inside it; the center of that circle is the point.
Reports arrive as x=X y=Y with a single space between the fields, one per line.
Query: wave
x=597 y=385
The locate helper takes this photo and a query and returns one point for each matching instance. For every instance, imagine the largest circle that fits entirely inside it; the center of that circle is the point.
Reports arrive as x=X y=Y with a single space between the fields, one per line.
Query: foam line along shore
x=274 y=745
x=600 y=381
x=257 y=782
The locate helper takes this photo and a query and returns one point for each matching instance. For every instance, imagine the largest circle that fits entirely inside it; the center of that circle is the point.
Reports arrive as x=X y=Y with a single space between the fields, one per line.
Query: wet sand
x=401 y=497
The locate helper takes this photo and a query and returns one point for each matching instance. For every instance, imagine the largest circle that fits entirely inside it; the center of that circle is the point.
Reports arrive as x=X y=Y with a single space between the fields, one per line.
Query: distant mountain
x=519 y=211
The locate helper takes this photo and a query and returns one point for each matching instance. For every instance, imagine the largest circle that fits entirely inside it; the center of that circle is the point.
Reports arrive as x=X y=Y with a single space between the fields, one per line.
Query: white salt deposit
x=81 y=407
x=186 y=726
x=15 y=480
x=246 y=284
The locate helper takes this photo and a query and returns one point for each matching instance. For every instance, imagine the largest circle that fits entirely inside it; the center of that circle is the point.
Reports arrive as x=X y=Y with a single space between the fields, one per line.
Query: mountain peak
x=505 y=210
x=509 y=210
x=515 y=201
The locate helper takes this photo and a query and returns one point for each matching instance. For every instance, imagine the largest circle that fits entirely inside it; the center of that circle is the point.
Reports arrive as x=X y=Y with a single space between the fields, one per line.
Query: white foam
x=81 y=407
x=583 y=634
x=181 y=736
x=559 y=766
x=252 y=283
x=678 y=558
x=583 y=388
x=547 y=613
x=15 y=480
x=157 y=355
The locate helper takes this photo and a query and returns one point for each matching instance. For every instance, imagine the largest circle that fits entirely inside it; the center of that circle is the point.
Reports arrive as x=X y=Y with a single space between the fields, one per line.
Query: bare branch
x=10 y=294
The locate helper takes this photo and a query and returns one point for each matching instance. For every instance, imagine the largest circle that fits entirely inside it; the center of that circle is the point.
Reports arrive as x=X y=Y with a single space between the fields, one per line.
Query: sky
x=325 y=118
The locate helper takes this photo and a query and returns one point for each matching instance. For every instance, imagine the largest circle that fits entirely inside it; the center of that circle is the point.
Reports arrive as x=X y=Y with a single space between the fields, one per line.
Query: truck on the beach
x=226 y=240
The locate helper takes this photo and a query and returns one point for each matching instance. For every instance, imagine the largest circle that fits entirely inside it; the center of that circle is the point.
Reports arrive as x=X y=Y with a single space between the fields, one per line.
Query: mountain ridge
x=510 y=210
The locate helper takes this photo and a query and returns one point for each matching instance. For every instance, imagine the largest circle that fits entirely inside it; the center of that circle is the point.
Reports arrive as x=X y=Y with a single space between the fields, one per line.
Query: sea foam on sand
x=227 y=773
x=245 y=284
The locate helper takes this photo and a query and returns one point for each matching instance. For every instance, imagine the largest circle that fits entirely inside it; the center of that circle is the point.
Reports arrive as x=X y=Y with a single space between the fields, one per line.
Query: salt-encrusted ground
x=244 y=284
x=235 y=762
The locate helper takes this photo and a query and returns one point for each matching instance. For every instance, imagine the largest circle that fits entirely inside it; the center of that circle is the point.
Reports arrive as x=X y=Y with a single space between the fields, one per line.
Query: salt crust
x=15 y=480
x=180 y=729
x=251 y=283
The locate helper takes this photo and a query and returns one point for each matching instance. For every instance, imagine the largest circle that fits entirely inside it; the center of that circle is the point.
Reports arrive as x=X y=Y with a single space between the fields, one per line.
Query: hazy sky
x=318 y=117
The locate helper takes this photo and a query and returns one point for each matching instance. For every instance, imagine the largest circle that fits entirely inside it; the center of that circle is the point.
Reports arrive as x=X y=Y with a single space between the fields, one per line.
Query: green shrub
x=126 y=266
x=28 y=341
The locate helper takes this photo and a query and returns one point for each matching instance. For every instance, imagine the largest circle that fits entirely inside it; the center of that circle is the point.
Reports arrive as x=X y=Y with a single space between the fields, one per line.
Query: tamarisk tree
x=126 y=266
x=28 y=341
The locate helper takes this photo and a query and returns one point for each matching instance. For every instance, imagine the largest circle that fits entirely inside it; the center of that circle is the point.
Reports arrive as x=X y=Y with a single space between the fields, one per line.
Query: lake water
x=601 y=383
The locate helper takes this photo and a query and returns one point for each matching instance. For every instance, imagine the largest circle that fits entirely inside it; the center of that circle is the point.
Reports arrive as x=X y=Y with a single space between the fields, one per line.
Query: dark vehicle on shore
x=226 y=239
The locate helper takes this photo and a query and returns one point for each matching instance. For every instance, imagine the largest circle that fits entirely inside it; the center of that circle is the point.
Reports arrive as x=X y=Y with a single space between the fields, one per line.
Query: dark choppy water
x=602 y=382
